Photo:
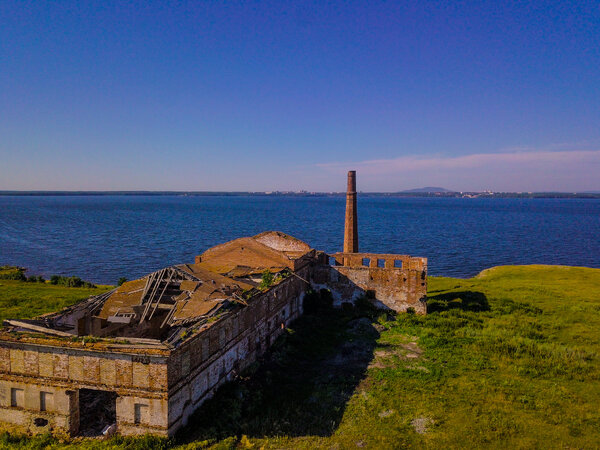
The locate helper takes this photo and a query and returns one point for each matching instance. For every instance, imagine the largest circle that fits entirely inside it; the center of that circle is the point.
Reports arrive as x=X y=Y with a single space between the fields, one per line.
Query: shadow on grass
x=465 y=300
x=299 y=388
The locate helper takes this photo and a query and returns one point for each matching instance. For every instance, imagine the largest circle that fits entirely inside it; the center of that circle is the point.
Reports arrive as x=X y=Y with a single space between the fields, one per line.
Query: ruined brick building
x=142 y=357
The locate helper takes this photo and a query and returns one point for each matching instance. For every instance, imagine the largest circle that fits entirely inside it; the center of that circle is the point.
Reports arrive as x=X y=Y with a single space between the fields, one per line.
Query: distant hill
x=427 y=189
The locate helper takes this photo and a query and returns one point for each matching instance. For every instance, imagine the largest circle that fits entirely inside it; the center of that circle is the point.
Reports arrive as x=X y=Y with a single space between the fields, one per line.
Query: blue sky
x=290 y=95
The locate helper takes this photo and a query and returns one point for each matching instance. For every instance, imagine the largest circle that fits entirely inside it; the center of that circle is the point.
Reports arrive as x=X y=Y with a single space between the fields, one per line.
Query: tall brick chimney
x=351 y=226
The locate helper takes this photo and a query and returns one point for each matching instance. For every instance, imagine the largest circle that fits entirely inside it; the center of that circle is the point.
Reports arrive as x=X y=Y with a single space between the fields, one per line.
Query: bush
x=121 y=281
x=18 y=273
x=70 y=282
x=35 y=279
x=12 y=273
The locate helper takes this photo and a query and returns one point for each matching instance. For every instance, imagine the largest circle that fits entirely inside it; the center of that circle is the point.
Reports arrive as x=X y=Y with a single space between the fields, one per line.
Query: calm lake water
x=101 y=238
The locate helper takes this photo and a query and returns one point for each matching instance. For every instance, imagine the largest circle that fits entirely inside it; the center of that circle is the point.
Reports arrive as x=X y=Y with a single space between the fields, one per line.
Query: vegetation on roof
x=267 y=280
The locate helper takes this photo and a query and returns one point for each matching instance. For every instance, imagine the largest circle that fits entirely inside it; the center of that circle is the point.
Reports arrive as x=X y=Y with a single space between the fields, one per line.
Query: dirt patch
x=421 y=424
x=413 y=348
x=385 y=357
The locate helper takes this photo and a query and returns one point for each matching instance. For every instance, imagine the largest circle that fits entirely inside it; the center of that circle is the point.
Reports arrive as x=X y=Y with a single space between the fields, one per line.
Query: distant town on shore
x=436 y=192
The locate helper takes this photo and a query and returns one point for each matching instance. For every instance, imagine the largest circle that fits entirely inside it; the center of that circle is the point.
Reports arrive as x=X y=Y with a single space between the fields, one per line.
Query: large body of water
x=101 y=238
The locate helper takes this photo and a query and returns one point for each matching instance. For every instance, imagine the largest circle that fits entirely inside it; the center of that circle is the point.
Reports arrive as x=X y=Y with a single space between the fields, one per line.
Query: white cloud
x=522 y=170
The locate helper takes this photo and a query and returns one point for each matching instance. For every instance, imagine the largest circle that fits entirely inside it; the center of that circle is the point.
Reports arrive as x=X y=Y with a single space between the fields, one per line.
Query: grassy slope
x=509 y=359
x=19 y=300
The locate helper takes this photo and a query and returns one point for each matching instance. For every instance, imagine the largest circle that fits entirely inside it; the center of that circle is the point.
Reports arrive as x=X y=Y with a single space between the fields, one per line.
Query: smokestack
x=351 y=226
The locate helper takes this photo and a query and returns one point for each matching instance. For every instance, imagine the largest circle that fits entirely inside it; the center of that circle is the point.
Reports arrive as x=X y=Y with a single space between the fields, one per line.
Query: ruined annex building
x=142 y=357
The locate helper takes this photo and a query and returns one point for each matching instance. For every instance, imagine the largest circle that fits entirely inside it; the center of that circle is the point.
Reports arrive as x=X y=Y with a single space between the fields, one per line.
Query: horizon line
x=302 y=191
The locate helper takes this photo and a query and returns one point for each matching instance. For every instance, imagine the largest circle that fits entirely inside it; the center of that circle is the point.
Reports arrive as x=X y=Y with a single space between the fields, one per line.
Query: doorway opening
x=97 y=410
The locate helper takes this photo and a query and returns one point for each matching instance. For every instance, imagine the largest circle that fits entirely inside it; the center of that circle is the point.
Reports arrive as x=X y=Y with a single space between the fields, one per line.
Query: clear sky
x=282 y=95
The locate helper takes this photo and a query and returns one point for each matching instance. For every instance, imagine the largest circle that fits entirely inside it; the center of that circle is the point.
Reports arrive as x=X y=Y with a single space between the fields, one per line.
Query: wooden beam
x=30 y=326
x=171 y=272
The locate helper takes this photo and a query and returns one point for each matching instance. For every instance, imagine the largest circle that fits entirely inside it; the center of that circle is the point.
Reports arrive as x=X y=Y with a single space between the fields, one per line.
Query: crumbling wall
x=48 y=379
x=225 y=348
x=26 y=413
x=142 y=414
x=397 y=282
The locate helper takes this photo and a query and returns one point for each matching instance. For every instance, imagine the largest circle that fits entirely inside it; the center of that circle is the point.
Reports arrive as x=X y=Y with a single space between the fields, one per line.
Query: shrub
x=35 y=279
x=12 y=273
x=121 y=281
x=267 y=279
x=18 y=273
x=70 y=282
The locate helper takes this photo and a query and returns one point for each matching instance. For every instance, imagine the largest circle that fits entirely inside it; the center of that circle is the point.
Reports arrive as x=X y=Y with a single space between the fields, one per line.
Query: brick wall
x=61 y=372
x=228 y=346
x=397 y=282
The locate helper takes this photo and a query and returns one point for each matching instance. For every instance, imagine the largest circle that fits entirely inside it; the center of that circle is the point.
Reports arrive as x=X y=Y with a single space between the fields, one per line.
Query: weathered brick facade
x=167 y=385
x=396 y=282
x=143 y=357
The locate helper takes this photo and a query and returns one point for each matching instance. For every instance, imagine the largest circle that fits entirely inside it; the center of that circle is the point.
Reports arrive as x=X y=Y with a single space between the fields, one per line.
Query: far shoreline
x=469 y=195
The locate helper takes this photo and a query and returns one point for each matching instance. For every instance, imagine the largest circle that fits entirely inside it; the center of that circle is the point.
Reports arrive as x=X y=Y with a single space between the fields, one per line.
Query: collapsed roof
x=158 y=306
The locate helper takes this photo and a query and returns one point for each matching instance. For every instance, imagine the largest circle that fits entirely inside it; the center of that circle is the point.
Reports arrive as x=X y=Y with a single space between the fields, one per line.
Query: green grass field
x=20 y=300
x=508 y=359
